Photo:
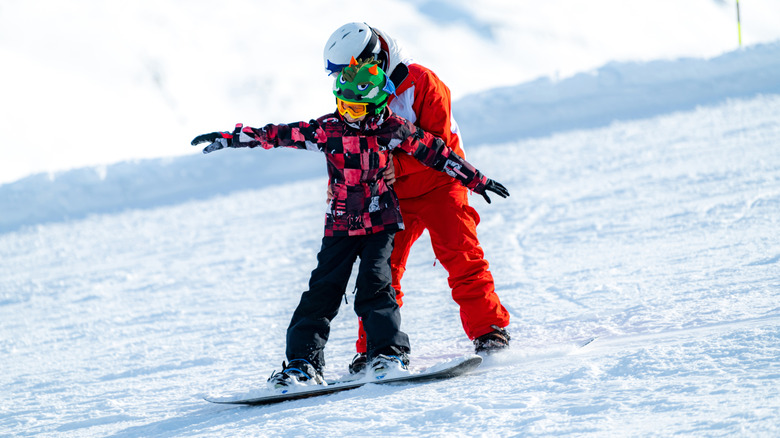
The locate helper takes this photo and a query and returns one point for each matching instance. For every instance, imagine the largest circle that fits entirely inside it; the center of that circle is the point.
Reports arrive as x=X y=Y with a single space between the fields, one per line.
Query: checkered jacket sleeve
x=433 y=152
x=299 y=135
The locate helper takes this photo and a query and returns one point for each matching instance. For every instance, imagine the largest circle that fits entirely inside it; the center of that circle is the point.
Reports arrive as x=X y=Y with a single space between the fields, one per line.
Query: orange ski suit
x=435 y=201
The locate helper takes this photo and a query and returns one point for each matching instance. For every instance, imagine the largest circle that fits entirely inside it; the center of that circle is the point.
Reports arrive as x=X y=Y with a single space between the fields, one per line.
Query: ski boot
x=492 y=342
x=299 y=372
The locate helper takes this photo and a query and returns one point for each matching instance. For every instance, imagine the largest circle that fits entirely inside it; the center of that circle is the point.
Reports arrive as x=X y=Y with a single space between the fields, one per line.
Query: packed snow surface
x=656 y=233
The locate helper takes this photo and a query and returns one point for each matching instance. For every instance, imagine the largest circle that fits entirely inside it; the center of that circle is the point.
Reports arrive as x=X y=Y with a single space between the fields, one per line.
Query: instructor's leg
x=452 y=224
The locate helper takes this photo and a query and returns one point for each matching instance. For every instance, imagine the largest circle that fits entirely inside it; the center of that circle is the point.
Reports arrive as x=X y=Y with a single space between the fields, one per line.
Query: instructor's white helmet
x=352 y=39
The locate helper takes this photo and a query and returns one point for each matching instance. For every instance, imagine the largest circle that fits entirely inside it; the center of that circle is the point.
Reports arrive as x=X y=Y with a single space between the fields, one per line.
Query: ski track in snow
x=659 y=236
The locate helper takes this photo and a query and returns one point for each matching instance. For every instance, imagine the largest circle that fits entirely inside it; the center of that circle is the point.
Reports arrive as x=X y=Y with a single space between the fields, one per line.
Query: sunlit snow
x=130 y=291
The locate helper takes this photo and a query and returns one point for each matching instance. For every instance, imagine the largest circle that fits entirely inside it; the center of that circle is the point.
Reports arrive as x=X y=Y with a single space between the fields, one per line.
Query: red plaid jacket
x=362 y=203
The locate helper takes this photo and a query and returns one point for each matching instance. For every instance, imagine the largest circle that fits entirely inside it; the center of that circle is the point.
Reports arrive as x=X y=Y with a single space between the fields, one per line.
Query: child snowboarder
x=362 y=218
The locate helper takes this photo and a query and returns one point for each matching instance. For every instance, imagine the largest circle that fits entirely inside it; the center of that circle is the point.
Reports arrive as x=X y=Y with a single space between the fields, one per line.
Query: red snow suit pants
x=452 y=226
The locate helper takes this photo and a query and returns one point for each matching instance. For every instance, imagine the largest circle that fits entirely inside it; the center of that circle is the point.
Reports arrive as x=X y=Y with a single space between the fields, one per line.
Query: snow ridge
x=617 y=91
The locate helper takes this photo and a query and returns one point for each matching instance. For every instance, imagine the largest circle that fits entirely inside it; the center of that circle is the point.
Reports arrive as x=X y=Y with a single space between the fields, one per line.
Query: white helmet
x=352 y=39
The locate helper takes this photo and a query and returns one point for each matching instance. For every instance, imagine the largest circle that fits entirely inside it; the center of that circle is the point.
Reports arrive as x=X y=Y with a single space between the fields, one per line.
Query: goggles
x=356 y=110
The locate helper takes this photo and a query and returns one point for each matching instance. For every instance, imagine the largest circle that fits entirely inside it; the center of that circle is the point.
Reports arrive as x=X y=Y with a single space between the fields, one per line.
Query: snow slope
x=657 y=233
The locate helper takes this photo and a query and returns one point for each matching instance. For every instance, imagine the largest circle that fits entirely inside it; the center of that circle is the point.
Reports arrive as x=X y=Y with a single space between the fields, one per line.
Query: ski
x=444 y=371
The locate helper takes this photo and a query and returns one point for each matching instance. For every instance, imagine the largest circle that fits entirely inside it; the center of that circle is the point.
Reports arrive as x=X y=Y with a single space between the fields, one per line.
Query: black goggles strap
x=368 y=51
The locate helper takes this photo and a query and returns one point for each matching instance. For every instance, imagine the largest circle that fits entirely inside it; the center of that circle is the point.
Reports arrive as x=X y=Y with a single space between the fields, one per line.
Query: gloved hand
x=495 y=187
x=218 y=140
x=389 y=173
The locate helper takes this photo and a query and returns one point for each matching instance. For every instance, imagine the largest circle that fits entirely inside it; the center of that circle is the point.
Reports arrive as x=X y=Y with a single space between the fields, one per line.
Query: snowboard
x=444 y=371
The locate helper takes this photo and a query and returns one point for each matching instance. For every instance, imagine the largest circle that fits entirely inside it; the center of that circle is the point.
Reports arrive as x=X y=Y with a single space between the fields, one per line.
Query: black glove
x=218 y=140
x=495 y=187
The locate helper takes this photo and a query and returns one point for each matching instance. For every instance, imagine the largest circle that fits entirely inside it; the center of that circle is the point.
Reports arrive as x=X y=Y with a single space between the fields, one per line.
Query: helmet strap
x=368 y=51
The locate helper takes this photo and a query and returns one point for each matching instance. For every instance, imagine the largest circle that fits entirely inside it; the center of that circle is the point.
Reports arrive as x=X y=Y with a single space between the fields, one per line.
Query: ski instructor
x=429 y=199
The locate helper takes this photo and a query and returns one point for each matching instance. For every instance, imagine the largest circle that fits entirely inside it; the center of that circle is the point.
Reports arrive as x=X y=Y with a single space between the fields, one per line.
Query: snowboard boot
x=298 y=372
x=492 y=342
x=358 y=364
x=394 y=363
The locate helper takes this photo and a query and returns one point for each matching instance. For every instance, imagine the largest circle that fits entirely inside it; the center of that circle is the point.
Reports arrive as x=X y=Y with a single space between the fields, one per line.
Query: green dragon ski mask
x=362 y=88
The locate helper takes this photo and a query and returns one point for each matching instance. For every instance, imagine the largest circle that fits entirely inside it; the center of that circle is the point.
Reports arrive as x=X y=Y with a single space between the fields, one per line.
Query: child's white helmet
x=357 y=40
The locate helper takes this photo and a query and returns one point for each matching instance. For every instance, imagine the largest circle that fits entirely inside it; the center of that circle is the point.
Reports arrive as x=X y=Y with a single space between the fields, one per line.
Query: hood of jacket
x=395 y=52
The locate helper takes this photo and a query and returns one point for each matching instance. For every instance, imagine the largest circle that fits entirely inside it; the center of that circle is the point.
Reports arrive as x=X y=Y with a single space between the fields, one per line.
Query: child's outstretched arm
x=434 y=153
x=300 y=135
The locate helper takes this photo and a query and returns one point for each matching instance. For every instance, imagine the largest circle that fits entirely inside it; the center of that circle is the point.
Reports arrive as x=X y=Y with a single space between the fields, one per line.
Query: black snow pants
x=374 y=300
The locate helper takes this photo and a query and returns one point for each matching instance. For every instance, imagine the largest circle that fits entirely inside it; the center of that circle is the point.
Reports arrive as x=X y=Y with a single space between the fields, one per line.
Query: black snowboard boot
x=358 y=364
x=391 y=360
x=492 y=342
x=297 y=372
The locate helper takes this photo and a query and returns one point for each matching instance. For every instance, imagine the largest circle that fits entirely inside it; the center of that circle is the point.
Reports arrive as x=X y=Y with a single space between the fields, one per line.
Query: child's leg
x=402 y=243
x=375 y=300
x=310 y=325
